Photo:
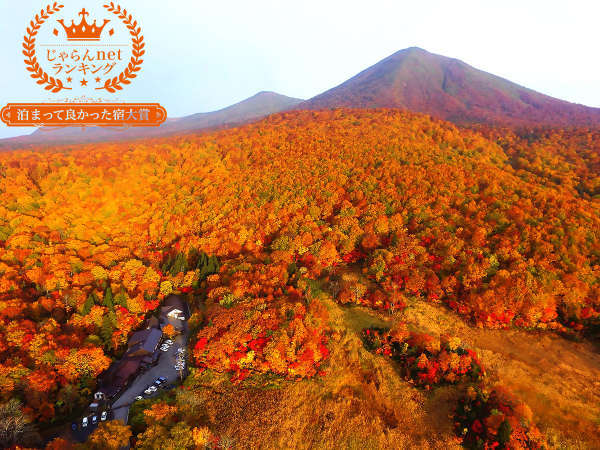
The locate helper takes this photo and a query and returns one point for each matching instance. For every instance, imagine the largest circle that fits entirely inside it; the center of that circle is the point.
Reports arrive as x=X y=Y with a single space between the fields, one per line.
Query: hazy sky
x=205 y=55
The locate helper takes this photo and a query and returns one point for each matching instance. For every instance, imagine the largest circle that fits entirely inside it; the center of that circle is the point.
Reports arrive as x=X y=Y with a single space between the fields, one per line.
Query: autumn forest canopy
x=278 y=233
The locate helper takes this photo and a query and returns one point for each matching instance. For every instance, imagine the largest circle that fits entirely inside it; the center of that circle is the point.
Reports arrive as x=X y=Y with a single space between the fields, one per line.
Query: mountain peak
x=417 y=80
x=267 y=94
x=271 y=95
x=259 y=105
x=412 y=50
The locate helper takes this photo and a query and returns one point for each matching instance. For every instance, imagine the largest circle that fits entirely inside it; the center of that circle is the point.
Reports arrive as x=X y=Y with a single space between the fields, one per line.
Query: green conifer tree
x=108 y=298
x=87 y=306
x=90 y=301
x=180 y=264
x=121 y=299
x=106 y=330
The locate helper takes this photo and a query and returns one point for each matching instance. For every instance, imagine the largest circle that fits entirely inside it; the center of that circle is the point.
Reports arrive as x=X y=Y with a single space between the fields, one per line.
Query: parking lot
x=165 y=368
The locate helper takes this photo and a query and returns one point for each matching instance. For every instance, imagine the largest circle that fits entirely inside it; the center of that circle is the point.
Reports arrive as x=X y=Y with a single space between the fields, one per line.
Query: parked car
x=181 y=350
x=104 y=416
x=160 y=381
x=150 y=390
x=94 y=420
x=169 y=342
x=84 y=422
x=139 y=397
x=74 y=426
x=164 y=348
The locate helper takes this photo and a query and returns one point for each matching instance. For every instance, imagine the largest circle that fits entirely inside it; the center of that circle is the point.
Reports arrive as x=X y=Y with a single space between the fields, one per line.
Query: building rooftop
x=126 y=369
x=153 y=322
x=138 y=337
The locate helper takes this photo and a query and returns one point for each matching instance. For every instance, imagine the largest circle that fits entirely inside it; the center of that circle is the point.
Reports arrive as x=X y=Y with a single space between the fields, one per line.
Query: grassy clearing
x=362 y=402
x=559 y=379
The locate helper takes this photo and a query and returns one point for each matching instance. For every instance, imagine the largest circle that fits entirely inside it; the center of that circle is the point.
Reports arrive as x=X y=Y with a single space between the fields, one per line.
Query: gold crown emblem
x=84 y=31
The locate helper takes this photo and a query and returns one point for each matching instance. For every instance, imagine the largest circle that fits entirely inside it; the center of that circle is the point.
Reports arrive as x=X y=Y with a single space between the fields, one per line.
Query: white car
x=169 y=342
x=84 y=422
x=139 y=397
x=103 y=416
x=164 y=348
x=181 y=350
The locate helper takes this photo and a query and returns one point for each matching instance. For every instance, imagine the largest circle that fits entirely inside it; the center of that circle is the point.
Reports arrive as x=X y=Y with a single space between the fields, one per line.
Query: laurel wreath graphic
x=52 y=84
x=114 y=84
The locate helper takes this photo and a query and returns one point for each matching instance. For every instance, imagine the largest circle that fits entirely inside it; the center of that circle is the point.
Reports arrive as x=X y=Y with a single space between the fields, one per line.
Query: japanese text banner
x=83 y=114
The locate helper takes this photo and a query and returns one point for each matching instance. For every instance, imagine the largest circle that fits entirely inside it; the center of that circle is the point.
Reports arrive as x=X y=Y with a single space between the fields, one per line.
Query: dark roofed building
x=127 y=370
x=150 y=360
x=119 y=375
x=142 y=352
x=148 y=345
x=153 y=322
x=138 y=337
x=136 y=349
